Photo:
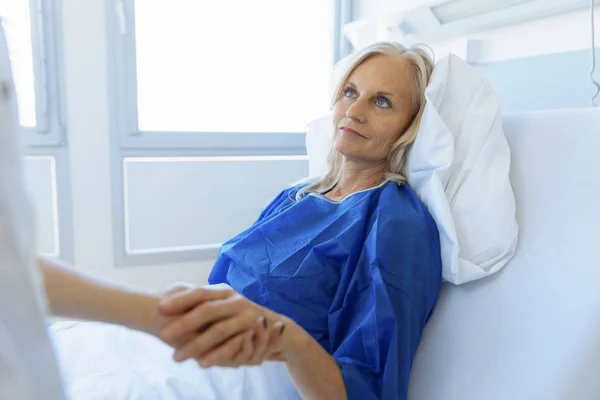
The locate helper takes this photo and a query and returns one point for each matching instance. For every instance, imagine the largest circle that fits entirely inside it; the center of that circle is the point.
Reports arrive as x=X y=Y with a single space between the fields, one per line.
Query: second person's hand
x=217 y=326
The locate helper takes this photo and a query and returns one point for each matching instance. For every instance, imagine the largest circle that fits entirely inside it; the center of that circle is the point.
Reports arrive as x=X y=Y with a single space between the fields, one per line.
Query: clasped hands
x=217 y=326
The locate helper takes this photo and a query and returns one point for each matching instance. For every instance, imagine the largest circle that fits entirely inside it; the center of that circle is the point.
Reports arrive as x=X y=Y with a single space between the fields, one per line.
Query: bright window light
x=233 y=65
x=17 y=27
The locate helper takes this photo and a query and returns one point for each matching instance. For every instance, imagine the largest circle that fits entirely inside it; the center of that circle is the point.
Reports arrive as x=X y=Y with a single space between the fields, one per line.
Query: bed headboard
x=533 y=330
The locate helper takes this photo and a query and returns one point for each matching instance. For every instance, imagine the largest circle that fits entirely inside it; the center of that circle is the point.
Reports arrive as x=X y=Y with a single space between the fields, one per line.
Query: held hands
x=218 y=327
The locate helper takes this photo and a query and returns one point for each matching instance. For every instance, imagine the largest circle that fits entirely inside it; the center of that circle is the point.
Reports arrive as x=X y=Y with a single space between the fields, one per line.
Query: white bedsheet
x=101 y=361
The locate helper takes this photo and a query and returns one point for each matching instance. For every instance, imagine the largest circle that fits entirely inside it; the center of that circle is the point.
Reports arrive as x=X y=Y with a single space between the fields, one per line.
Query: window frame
x=122 y=29
x=128 y=141
x=48 y=138
x=62 y=196
x=49 y=130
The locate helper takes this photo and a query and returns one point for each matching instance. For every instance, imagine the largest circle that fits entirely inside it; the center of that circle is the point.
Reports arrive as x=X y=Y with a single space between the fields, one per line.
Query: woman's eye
x=383 y=102
x=349 y=92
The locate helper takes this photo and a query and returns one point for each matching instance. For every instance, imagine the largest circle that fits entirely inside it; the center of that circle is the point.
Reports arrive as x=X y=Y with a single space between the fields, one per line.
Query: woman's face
x=374 y=109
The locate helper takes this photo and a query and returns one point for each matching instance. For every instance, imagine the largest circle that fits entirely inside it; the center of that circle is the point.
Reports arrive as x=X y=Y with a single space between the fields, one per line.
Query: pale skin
x=217 y=326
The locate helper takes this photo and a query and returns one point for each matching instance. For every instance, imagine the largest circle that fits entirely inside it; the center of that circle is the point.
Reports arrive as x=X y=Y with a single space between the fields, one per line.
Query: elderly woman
x=342 y=271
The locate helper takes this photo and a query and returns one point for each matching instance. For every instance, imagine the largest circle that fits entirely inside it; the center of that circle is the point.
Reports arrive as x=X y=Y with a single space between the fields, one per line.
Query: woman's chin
x=346 y=147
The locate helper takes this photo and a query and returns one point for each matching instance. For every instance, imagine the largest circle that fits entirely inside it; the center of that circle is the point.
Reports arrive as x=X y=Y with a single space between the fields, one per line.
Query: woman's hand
x=257 y=346
x=217 y=326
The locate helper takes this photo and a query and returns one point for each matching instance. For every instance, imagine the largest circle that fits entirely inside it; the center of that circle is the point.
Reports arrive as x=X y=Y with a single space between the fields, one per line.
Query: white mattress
x=532 y=331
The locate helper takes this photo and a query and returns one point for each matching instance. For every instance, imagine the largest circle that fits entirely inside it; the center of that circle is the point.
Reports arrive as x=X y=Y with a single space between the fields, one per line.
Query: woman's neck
x=354 y=180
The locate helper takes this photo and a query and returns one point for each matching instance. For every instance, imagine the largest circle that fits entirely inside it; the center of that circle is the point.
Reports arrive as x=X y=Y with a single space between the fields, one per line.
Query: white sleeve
x=28 y=368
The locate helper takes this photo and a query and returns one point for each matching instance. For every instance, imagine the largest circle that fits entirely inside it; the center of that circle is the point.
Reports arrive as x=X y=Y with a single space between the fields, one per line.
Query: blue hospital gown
x=361 y=276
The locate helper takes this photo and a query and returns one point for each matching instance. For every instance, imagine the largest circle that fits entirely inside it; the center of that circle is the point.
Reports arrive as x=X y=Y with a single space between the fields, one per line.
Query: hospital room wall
x=94 y=191
x=543 y=64
x=546 y=82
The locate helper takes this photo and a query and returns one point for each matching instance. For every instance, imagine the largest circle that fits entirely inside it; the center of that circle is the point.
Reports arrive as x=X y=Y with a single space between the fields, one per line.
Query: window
x=209 y=106
x=216 y=70
x=28 y=26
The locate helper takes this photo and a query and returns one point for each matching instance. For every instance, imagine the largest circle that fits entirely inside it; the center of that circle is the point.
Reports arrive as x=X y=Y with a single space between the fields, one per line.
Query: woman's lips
x=351 y=132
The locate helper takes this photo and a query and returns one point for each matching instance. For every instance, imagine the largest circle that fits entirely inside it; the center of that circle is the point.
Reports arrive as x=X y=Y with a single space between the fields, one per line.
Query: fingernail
x=282 y=329
x=264 y=322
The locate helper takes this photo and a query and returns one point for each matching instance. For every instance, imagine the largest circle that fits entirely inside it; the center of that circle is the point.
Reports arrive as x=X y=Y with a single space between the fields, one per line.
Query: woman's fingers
x=254 y=346
x=183 y=300
x=261 y=342
x=243 y=355
x=224 y=352
x=273 y=340
x=200 y=317
x=216 y=334
x=266 y=339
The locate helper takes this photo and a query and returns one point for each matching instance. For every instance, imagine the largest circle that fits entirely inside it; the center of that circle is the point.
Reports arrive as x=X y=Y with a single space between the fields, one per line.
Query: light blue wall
x=543 y=82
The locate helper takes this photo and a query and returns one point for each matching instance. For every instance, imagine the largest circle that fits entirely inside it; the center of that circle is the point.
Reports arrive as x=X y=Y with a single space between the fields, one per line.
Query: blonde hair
x=422 y=66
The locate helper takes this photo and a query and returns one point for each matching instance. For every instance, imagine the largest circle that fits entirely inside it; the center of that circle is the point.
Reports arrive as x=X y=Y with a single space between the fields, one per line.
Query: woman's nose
x=357 y=111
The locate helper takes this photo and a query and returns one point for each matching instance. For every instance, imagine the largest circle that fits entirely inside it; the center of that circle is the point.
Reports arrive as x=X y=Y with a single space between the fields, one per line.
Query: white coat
x=28 y=369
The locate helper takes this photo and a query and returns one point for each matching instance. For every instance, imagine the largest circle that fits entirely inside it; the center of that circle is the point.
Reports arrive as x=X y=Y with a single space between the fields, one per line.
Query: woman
x=341 y=273
x=350 y=261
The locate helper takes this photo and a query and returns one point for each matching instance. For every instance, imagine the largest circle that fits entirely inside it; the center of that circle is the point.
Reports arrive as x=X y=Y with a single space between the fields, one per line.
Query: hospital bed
x=532 y=331
x=529 y=332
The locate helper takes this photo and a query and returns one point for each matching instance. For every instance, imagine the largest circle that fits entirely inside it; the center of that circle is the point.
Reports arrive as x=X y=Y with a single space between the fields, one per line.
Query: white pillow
x=459 y=167
x=318 y=142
